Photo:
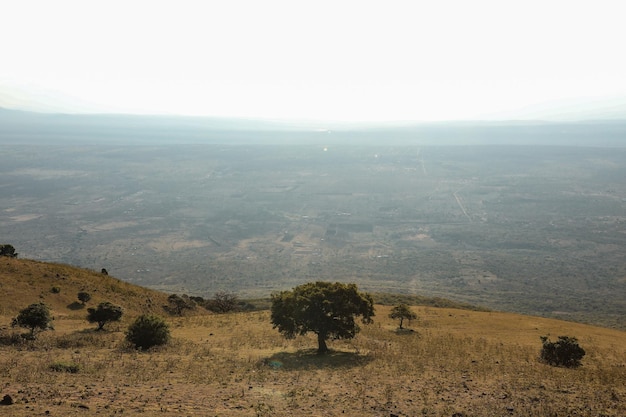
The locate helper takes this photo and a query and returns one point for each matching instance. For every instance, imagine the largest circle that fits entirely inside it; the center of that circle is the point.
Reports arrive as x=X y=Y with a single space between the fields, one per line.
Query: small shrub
x=564 y=352
x=11 y=339
x=71 y=368
x=148 y=331
x=55 y=290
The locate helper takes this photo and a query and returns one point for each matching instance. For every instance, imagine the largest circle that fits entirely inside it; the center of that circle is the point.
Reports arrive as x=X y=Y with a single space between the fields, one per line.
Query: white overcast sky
x=334 y=60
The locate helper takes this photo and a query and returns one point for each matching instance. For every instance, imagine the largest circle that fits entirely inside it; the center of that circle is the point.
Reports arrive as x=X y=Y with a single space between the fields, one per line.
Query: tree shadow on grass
x=406 y=331
x=310 y=359
x=75 y=306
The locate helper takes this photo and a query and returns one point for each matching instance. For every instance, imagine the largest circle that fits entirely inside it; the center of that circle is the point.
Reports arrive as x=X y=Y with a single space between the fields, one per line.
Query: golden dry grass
x=454 y=362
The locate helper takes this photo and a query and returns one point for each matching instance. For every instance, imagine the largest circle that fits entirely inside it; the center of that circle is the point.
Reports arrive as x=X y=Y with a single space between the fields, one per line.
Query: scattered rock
x=7 y=400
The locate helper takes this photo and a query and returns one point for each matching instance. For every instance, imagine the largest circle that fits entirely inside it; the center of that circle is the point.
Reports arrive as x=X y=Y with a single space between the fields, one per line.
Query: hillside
x=451 y=362
x=26 y=281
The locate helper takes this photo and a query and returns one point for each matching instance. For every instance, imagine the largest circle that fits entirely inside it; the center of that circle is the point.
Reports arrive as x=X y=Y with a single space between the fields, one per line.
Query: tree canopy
x=104 y=313
x=324 y=308
x=402 y=312
x=8 y=250
x=178 y=304
x=83 y=297
x=35 y=316
x=223 y=302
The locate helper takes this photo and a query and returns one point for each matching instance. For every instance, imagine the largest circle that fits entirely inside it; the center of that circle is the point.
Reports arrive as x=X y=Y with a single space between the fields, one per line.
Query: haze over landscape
x=190 y=164
x=346 y=61
x=470 y=150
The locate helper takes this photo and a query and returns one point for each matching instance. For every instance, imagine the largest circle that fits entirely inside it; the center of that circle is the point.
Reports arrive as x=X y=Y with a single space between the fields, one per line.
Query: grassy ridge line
x=390 y=299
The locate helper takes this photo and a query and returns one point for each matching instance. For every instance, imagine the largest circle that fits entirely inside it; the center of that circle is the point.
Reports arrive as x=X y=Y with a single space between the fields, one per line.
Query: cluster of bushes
x=145 y=332
x=222 y=302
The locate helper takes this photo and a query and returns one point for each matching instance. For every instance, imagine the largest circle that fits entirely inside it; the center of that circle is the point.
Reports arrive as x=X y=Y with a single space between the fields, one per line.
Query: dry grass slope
x=453 y=363
x=25 y=281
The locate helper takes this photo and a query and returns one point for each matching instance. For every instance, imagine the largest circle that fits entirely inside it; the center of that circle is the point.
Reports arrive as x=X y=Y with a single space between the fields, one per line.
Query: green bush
x=564 y=352
x=71 y=368
x=148 y=331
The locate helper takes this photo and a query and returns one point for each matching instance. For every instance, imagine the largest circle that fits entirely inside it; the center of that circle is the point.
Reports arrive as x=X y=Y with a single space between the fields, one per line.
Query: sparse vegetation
x=324 y=308
x=104 y=313
x=148 y=331
x=34 y=317
x=564 y=352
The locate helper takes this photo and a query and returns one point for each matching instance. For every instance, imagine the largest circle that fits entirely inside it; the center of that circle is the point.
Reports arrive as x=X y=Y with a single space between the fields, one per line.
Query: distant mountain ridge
x=21 y=127
x=571 y=110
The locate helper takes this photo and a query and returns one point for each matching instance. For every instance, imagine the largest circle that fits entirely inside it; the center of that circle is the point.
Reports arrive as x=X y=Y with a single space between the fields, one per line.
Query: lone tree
x=103 y=314
x=402 y=312
x=223 y=302
x=35 y=316
x=148 y=331
x=564 y=352
x=84 y=297
x=8 y=250
x=324 y=308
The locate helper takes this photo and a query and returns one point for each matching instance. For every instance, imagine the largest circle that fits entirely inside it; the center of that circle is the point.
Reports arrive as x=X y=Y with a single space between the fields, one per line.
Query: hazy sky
x=339 y=60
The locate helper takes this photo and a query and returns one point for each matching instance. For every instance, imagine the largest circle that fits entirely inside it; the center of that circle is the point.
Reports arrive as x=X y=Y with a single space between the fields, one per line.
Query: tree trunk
x=321 y=342
x=401 y=323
